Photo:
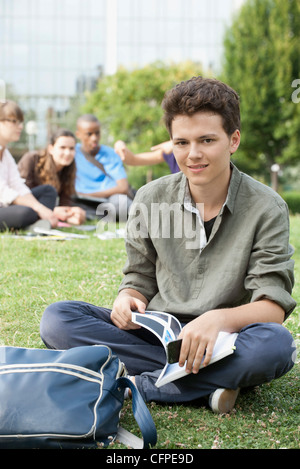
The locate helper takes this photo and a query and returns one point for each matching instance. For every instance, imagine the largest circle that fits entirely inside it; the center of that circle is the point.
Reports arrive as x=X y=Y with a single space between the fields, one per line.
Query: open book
x=167 y=328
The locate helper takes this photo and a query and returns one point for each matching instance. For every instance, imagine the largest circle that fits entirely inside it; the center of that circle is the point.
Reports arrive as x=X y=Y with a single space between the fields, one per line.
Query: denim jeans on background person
x=20 y=216
x=264 y=351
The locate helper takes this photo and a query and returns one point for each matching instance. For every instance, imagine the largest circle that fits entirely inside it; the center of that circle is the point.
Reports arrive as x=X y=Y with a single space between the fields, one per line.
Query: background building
x=53 y=50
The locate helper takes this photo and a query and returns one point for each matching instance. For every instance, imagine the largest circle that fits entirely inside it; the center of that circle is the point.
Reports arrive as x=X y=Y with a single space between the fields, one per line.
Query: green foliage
x=128 y=105
x=292 y=198
x=261 y=61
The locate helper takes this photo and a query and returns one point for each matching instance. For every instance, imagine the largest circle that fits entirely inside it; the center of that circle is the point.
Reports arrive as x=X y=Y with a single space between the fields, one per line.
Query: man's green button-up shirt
x=247 y=257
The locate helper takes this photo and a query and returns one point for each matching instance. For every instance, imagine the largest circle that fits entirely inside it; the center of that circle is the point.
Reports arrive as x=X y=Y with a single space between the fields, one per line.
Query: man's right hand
x=123 y=306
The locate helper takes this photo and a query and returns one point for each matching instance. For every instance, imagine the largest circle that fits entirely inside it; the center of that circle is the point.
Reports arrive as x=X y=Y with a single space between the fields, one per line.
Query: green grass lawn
x=39 y=272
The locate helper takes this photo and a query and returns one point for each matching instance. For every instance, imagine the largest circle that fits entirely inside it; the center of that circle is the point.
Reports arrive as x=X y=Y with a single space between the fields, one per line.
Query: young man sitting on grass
x=209 y=245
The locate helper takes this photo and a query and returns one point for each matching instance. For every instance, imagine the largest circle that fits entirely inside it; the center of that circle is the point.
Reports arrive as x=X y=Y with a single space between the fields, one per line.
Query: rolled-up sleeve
x=271 y=267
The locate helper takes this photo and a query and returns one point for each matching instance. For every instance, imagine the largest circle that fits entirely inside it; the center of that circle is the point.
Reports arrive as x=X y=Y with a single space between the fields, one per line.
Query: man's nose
x=195 y=151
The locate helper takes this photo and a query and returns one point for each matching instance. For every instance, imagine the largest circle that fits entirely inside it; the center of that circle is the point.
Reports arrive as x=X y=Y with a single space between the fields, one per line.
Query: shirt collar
x=234 y=185
x=186 y=200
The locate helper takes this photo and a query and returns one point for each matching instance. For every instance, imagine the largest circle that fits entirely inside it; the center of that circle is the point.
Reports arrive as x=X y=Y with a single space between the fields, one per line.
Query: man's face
x=89 y=135
x=202 y=149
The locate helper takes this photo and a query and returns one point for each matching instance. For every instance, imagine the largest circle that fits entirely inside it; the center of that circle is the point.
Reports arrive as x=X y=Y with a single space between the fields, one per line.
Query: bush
x=293 y=200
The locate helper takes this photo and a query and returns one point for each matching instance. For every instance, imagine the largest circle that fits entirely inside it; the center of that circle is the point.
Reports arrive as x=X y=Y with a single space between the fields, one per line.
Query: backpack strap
x=142 y=417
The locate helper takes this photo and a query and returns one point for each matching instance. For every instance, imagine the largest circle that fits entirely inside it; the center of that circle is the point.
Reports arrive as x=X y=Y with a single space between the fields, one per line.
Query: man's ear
x=235 y=140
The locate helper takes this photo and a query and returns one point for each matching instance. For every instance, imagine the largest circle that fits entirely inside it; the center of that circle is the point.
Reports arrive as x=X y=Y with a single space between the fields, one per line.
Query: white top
x=11 y=183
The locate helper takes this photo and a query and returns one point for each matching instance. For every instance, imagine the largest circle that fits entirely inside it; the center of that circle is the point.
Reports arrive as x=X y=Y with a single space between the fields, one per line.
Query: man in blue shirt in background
x=100 y=171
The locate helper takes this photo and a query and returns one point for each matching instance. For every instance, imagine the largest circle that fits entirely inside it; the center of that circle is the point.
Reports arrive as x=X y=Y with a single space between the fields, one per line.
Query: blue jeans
x=264 y=351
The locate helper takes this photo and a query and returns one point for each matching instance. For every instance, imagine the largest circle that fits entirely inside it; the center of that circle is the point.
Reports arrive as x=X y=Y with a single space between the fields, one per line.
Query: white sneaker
x=42 y=224
x=222 y=400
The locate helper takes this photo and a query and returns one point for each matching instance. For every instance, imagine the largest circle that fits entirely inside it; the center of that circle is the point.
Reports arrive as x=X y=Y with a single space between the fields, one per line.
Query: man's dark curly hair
x=201 y=95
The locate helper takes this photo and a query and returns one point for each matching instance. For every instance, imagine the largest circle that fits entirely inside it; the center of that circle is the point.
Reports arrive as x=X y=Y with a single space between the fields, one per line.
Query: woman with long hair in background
x=55 y=165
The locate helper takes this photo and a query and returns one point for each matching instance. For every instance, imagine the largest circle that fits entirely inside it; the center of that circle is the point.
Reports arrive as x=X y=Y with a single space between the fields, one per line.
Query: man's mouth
x=197 y=167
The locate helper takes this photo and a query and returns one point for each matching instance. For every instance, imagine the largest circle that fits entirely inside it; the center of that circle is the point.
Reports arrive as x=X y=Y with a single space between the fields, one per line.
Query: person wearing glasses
x=20 y=207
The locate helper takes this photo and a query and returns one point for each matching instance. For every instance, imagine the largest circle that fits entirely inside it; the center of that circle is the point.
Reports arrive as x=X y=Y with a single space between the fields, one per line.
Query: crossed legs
x=264 y=351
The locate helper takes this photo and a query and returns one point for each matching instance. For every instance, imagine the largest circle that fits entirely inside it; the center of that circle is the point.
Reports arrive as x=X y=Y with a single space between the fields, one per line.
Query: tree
x=128 y=105
x=262 y=61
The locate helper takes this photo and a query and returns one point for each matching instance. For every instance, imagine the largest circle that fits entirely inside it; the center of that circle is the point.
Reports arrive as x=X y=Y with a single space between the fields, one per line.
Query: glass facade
x=46 y=46
x=51 y=50
x=172 y=30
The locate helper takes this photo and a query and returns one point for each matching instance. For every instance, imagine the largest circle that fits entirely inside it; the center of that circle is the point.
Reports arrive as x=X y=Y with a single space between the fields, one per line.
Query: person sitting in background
x=100 y=171
x=20 y=207
x=55 y=166
x=163 y=152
